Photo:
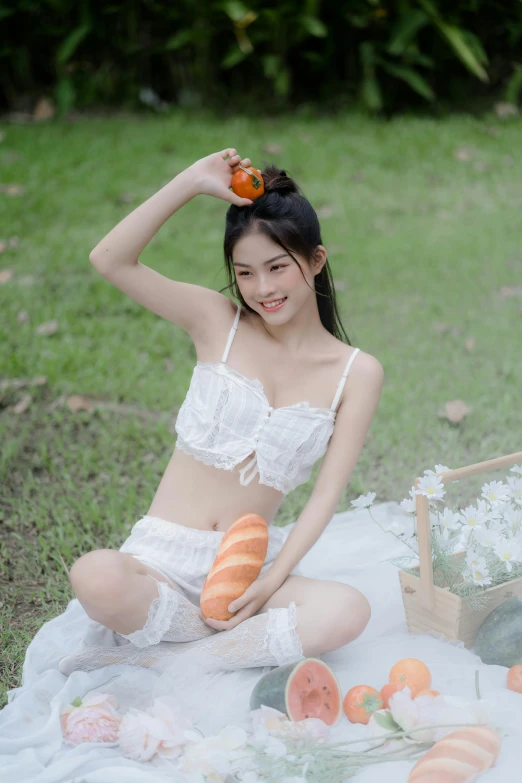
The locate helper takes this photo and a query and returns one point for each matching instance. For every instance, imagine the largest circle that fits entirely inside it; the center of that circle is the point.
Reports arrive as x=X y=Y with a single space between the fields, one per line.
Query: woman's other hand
x=245 y=606
x=213 y=175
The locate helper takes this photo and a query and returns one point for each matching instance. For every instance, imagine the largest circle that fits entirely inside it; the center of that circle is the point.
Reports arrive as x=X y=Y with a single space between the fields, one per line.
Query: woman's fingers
x=228 y=152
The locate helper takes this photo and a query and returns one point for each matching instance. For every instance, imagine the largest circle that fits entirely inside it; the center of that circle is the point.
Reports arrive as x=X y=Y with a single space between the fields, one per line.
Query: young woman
x=274 y=389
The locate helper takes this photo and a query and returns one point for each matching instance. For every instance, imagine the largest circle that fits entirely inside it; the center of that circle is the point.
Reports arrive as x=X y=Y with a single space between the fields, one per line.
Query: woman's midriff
x=207 y=498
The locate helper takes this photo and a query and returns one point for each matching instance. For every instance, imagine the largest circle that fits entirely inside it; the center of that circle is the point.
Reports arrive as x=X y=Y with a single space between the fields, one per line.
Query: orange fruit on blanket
x=360 y=702
x=387 y=692
x=427 y=692
x=514 y=678
x=413 y=673
x=248 y=183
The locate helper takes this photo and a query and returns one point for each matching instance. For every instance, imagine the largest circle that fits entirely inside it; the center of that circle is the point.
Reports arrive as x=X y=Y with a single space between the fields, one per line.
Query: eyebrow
x=270 y=260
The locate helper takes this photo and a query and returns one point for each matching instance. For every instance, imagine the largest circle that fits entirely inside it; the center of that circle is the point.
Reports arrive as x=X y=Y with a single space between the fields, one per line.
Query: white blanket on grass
x=353 y=550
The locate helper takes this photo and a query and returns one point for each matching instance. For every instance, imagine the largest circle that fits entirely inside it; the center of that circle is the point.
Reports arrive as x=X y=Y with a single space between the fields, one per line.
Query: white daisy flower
x=517 y=469
x=431 y=486
x=508 y=550
x=408 y=504
x=513 y=518
x=515 y=489
x=495 y=492
x=364 y=501
x=487 y=537
x=441 y=469
x=480 y=576
x=448 y=520
x=474 y=559
x=472 y=518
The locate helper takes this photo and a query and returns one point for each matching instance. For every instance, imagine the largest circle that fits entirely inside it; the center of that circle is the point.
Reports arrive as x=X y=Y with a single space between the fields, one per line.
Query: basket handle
x=427 y=588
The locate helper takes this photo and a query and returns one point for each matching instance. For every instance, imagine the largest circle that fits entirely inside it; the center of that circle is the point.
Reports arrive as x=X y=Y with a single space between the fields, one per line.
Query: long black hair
x=286 y=216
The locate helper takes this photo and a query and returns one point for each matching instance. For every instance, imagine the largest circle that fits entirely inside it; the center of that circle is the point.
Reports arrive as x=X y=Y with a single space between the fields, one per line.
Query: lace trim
x=260 y=640
x=169 y=531
x=161 y=611
x=303 y=404
x=208 y=457
x=281 y=636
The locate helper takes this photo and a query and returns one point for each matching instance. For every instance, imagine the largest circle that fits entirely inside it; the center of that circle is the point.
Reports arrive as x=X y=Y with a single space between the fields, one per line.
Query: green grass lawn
x=421 y=219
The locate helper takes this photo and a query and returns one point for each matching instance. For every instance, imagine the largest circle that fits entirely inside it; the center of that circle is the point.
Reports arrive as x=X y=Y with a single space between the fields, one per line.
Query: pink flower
x=161 y=729
x=92 y=720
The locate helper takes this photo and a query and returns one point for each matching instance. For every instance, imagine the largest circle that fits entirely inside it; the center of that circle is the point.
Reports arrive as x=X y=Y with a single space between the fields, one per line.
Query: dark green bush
x=386 y=55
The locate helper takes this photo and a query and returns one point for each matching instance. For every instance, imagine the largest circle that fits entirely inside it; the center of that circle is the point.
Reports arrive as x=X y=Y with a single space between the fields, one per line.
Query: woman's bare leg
x=123 y=594
x=304 y=618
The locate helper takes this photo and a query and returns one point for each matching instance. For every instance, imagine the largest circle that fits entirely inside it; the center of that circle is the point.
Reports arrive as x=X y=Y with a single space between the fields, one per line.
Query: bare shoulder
x=367 y=368
x=365 y=377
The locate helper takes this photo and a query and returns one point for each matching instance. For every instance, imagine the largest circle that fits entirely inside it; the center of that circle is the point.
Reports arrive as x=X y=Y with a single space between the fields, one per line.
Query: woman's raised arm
x=116 y=256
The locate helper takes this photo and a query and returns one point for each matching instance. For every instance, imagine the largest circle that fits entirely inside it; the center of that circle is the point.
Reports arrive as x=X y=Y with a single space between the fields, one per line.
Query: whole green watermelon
x=499 y=638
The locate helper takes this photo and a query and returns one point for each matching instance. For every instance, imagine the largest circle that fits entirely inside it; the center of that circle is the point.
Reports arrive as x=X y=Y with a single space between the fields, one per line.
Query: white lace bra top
x=225 y=417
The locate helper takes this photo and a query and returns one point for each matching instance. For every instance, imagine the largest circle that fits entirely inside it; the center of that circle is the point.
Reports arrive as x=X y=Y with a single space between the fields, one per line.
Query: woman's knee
x=352 y=613
x=100 y=579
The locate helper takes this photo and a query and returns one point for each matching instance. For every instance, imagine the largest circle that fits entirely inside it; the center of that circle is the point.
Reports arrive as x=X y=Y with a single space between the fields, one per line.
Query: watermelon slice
x=306 y=689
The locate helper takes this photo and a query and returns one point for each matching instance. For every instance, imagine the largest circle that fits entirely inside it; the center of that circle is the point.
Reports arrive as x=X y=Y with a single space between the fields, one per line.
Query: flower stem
x=392 y=533
x=477 y=687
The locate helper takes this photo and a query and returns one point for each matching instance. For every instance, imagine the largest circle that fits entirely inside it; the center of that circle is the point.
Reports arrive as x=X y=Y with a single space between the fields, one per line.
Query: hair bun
x=276 y=179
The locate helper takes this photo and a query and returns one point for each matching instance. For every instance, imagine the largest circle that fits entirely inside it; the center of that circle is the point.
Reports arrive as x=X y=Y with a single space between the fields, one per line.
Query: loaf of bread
x=238 y=563
x=458 y=757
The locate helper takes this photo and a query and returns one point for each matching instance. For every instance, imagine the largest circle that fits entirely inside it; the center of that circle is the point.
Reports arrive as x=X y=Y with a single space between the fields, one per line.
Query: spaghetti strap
x=231 y=334
x=343 y=379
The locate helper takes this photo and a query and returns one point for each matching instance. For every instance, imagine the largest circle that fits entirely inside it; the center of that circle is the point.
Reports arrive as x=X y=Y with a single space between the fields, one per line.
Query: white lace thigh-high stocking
x=268 y=639
x=172 y=618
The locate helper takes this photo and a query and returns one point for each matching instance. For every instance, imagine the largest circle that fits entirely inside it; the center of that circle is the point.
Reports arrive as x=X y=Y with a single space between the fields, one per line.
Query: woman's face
x=264 y=272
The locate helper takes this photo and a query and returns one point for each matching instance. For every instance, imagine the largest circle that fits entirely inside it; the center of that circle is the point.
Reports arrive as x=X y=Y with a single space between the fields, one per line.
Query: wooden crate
x=431 y=608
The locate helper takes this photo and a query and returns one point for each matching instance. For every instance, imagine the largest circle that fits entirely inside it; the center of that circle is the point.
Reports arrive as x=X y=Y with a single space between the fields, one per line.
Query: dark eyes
x=275 y=266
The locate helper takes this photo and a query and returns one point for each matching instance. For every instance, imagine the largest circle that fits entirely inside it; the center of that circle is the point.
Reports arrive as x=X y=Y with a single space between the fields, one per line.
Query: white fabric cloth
x=352 y=550
x=185 y=555
x=226 y=416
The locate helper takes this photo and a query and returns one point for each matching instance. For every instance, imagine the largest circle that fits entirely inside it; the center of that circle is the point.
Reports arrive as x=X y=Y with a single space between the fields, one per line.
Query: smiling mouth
x=274 y=303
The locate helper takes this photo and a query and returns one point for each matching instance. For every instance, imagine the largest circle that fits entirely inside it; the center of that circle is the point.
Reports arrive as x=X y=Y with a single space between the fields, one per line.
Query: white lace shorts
x=184 y=554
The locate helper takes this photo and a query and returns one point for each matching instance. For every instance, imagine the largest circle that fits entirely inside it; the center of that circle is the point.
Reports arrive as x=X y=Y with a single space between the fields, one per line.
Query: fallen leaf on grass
x=23 y=317
x=440 y=327
x=125 y=198
x=463 y=154
x=469 y=344
x=12 y=189
x=8 y=244
x=78 y=402
x=325 y=211
x=22 y=405
x=505 y=110
x=19 y=383
x=47 y=328
x=44 y=110
x=511 y=291
x=455 y=411
x=272 y=149
x=5 y=275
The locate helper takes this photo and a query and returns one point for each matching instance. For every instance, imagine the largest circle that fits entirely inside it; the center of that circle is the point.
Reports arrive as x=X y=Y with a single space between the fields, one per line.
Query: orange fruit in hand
x=360 y=702
x=387 y=692
x=514 y=678
x=248 y=183
x=427 y=692
x=413 y=673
